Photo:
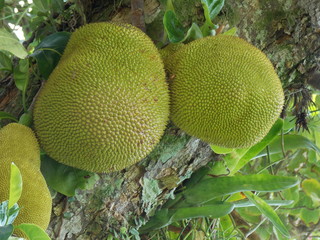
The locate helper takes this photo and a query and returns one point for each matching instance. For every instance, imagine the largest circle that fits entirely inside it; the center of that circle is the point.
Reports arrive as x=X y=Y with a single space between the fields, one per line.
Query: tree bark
x=288 y=31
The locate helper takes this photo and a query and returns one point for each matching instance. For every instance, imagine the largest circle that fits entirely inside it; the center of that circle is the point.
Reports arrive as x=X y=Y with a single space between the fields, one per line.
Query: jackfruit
x=18 y=144
x=224 y=91
x=168 y=52
x=106 y=104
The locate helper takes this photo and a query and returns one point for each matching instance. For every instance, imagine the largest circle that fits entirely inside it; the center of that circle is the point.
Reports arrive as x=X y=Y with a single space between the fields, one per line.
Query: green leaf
x=15 y=185
x=196 y=177
x=221 y=150
x=211 y=188
x=49 y=51
x=33 y=231
x=292 y=193
x=173 y=27
x=57 y=5
x=4 y=115
x=7 y=216
x=6 y=231
x=268 y=211
x=212 y=8
x=231 y=32
x=65 y=179
x=10 y=43
x=310 y=216
x=5 y=62
x=245 y=203
x=21 y=75
x=26 y=119
x=161 y=219
x=21 y=78
x=193 y=33
x=226 y=226
x=291 y=142
x=213 y=211
x=312 y=189
x=165 y=217
x=42 y=5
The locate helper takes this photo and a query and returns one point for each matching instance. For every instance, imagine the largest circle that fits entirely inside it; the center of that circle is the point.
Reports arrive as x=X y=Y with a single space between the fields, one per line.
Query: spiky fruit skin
x=224 y=91
x=18 y=144
x=106 y=104
x=167 y=54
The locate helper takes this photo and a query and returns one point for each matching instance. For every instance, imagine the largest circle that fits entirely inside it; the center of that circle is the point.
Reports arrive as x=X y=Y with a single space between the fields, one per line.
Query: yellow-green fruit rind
x=106 y=104
x=19 y=145
x=225 y=91
x=167 y=54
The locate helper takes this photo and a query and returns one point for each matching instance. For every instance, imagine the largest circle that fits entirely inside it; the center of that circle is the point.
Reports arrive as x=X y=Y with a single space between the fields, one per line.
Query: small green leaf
x=268 y=211
x=245 y=203
x=173 y=27
x=221 y=150
x=231 y=32
x=310 y=216
x=21 y=78
x=15 y=185
x=49 y=51
x=11 y=44
x=193 y=33
x=211 y=187
x=312 y=189
x=33 y=231
x=65 y=179
x=57 y=5
x=4 y=115
x=26 y=119
x=5 y=62
x=42 y=5
x=6 y=231
x=292 y=193
x=7 y=216
x=212 y=8
x=21 y=75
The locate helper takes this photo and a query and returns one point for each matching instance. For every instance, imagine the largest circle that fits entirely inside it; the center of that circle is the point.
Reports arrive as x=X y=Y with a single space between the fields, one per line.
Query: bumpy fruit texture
x=106 y=104
x=224 y=91
x=18 y=144
x=167 y=54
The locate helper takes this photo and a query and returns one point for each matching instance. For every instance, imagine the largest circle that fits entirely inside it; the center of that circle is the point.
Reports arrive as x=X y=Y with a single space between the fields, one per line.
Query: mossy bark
x=288 y=31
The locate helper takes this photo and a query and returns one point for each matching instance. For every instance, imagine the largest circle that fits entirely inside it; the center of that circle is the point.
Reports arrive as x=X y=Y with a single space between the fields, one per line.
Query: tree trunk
x=288 y=31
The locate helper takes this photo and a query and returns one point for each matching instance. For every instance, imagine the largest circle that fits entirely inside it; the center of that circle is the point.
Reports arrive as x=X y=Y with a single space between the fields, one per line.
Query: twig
x=137 y=14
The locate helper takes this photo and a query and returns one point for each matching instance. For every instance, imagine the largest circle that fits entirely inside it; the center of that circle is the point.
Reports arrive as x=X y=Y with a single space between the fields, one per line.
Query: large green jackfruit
x=106 y=104
x=224 y=91
x=18 y=144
